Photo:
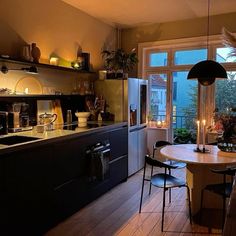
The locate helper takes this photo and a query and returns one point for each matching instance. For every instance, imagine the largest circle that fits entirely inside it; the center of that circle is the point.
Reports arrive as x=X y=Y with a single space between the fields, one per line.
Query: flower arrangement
x=225 y=123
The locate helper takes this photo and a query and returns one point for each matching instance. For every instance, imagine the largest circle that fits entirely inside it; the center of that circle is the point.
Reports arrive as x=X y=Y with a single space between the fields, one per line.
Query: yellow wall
x=176 y=30
x=57 y=28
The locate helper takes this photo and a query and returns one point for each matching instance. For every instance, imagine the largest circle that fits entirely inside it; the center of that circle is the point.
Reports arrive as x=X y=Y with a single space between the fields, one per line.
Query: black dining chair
x=223 y=189
x=163 y=180
x=176 y=164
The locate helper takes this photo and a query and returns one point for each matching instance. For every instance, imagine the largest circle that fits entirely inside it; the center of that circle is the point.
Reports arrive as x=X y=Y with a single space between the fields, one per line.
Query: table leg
x=198 y=176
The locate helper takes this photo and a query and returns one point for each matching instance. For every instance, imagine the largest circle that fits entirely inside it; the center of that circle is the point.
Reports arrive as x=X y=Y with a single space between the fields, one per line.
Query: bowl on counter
x=82 y=118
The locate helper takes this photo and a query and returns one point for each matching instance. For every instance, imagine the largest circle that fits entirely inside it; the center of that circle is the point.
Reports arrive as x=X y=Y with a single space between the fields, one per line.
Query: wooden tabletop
x=185 y=153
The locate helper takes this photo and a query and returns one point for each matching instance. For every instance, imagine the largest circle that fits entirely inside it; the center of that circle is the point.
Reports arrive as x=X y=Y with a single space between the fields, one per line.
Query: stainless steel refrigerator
x=127 y=100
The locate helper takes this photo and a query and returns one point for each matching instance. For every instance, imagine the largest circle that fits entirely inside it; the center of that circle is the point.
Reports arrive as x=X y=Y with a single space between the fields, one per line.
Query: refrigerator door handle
x=138 y=128
x=133 y=130
x=142 y=127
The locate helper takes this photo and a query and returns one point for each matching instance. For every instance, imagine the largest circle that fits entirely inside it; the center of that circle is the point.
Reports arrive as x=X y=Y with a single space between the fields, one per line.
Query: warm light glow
x=26 y=90
x=198 y=133
x=203 y=133
x=204 y=122
x=54 y=61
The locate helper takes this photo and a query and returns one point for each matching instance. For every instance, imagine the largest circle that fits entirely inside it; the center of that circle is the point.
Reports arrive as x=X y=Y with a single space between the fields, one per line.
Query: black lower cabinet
x=42 y=186
x=119 y=170
x=26 y=204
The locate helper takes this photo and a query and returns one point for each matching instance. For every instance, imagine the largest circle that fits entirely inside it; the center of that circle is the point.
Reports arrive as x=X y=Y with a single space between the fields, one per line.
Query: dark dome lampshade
x=206 y=72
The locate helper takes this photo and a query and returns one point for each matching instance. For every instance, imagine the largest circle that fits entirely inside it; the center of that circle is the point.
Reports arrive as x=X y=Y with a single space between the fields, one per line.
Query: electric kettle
x=47 y=120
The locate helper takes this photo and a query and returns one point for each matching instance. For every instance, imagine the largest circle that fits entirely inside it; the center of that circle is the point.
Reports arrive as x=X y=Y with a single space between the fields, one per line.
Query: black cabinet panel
x=27 y=193
x=41 y=186
x=118 y=170
x=119 y=142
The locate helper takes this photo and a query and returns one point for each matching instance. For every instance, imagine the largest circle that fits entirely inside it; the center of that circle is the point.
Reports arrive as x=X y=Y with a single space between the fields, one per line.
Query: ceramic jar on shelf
x=35 y=53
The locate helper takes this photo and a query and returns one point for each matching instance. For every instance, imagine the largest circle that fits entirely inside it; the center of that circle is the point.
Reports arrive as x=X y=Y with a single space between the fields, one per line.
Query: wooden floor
x=116 y=213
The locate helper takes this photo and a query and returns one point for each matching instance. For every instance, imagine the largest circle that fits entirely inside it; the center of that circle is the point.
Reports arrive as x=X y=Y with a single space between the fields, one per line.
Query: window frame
x=170 y=46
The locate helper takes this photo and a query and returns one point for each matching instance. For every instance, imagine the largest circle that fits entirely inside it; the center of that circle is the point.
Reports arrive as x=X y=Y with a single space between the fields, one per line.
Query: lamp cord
x=208 y=23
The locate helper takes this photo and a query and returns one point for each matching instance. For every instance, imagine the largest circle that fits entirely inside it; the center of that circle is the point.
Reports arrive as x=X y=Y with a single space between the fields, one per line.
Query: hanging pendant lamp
x=208 y=70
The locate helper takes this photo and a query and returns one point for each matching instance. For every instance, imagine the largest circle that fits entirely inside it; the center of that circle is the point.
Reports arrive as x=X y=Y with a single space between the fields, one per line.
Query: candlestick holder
x=203 y=150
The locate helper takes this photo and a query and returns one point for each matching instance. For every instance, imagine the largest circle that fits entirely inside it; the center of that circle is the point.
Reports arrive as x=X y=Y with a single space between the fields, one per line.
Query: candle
x=198 y=133
x=203 y=133
x=26 y=90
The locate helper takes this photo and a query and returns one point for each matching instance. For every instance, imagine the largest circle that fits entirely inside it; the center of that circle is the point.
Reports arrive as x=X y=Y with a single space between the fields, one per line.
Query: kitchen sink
x=15 y=139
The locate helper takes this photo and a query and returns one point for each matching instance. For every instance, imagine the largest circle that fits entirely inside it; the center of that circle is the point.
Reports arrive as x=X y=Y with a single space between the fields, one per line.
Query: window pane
x=223 y=55
x=158 y=96
x=225 y=98
x=158 y=59
x=189 y=57
x=184 y=101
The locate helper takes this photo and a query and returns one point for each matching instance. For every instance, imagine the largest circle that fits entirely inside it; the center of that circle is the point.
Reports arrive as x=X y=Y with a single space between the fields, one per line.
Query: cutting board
x=57 y=110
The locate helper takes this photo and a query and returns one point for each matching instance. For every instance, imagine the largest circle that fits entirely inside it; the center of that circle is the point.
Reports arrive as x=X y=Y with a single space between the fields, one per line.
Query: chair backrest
x=231 y=171
x=159 y=144
x=154 y=162
x=227 y=171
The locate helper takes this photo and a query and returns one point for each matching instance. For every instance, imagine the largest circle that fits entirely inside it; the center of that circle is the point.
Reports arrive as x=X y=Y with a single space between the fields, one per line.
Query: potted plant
x=182 y=135
x=118 y=62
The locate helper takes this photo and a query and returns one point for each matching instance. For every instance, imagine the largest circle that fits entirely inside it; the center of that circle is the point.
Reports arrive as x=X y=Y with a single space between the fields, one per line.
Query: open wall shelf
x=21 y=62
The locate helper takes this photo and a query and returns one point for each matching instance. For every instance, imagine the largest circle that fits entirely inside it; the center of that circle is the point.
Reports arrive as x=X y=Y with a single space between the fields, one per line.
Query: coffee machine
x=18 y=117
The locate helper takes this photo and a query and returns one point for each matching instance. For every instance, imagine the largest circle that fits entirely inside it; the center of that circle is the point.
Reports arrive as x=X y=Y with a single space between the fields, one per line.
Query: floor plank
x=116 y=213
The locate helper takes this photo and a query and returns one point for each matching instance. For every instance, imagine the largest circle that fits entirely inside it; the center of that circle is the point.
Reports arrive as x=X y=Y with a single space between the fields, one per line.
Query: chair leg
x=141 y=198
x=189 y=205
x=169 y=188
x=150 y=186
x=163 y=209
x=223 y=217
x=202 y=195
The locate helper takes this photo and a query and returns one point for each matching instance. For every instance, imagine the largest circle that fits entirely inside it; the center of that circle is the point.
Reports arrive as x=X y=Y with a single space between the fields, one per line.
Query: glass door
x=158 y=99
x=184 y=108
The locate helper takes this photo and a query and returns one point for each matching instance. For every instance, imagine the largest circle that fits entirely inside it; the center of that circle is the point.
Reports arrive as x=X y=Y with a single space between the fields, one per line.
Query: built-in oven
x=99 y=156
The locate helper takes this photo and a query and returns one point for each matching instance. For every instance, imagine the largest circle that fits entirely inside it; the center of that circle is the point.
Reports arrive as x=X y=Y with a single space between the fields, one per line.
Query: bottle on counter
x=68 y=117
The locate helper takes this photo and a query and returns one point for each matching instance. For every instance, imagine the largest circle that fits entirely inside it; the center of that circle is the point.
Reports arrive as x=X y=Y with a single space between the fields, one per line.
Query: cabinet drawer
x=119 y=142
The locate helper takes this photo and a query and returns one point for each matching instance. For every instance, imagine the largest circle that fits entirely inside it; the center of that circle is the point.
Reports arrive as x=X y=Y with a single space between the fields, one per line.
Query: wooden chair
x=165 y=181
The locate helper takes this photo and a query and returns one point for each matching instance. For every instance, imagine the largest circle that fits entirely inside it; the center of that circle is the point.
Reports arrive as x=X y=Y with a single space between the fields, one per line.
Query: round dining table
x=198 y=173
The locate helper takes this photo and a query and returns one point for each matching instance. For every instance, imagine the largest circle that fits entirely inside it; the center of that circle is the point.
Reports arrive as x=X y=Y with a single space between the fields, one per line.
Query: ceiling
x=133 y=13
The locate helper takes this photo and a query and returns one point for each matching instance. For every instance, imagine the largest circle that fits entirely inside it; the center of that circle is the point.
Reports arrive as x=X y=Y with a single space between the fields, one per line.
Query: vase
x=26 y=54
x=35 y=53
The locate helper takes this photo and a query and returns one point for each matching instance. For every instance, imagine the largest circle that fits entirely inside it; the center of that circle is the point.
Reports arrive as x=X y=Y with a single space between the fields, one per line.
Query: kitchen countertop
x=57 y=134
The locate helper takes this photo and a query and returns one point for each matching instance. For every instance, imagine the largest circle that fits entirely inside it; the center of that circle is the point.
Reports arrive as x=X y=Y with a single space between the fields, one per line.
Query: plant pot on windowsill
x=114 y=75
x=118 y=61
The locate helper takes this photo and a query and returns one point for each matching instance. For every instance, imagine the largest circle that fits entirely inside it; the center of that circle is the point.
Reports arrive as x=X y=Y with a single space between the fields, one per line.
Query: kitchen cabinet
x=26 y=198
x=42 y=185
x=72 y=188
